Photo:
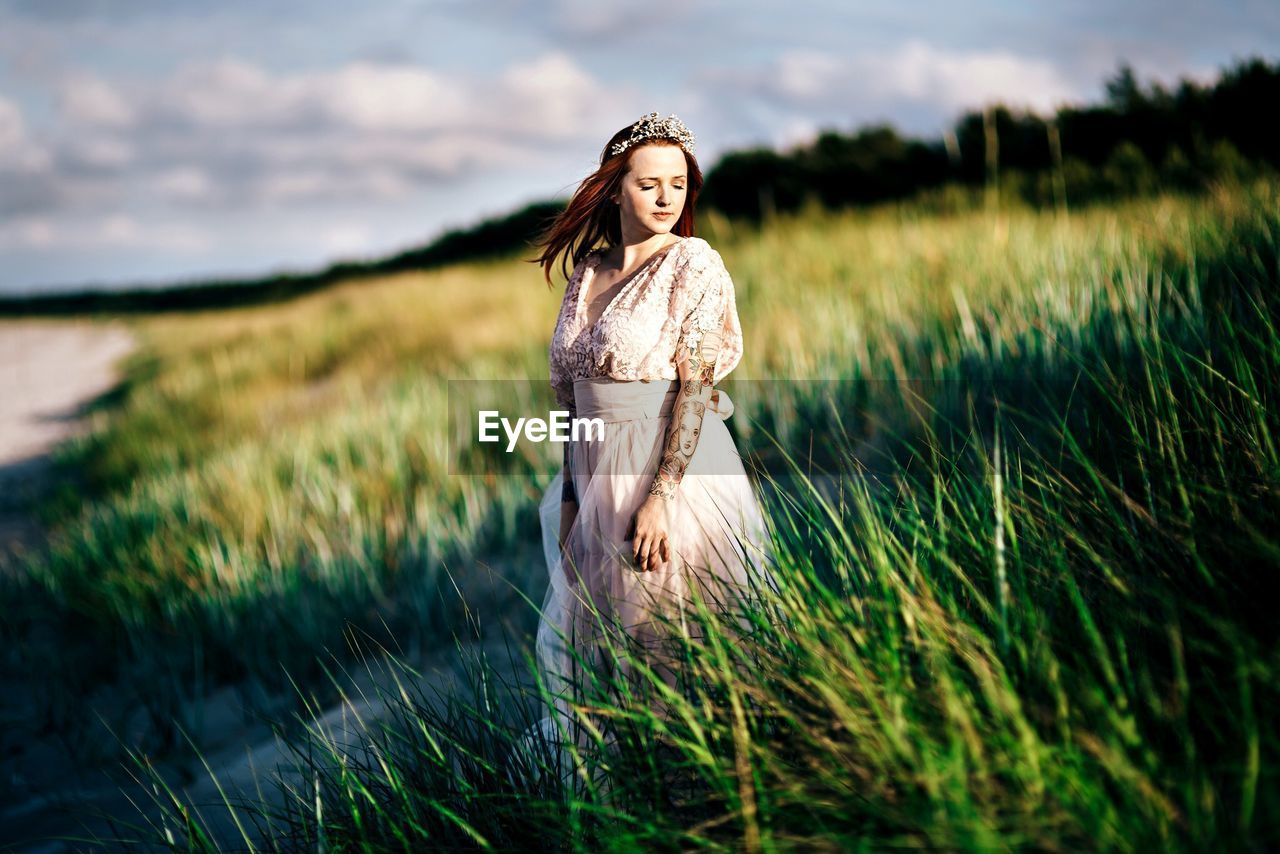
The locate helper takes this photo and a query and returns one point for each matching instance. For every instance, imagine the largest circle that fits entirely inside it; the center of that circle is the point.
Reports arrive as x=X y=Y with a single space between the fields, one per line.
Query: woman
x=659 y=512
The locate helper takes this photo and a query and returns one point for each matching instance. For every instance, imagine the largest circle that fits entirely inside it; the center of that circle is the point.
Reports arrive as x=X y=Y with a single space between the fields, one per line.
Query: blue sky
x=153 y=141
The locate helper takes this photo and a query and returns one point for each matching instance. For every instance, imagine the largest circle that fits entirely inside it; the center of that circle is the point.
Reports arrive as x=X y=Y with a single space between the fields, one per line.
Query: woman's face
x=652 y=193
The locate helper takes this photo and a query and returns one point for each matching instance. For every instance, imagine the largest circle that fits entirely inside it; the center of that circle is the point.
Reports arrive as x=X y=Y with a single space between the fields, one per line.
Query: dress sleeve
x=709 y=304
x=562 y=388
x=561 y=382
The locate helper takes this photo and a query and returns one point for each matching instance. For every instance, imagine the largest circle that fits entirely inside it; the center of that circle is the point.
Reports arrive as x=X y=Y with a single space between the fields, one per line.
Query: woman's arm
x=705 y=309
x=697 y=376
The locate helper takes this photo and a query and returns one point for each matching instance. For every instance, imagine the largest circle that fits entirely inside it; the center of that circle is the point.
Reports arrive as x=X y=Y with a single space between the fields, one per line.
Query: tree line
x=1138 y=140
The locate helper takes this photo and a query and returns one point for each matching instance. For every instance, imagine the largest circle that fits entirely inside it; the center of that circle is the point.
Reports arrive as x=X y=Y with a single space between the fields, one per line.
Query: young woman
x=661 y=509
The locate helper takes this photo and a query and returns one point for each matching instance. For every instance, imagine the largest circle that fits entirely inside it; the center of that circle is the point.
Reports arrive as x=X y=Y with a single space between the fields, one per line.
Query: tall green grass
x=1051 y=632
x=1044 y=623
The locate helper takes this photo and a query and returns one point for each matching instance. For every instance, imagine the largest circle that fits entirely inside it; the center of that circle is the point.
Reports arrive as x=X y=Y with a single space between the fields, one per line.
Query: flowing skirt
x=719 y=545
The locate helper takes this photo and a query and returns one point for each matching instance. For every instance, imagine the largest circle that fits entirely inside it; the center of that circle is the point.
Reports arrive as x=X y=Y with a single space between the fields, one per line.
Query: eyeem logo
x=559 y=429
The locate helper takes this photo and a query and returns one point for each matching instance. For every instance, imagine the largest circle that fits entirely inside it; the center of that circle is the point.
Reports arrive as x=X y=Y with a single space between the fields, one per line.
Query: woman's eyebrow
x=654 y=178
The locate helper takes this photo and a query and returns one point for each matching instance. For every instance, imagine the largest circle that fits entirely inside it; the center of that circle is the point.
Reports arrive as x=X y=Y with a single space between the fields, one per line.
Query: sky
x=153 y=142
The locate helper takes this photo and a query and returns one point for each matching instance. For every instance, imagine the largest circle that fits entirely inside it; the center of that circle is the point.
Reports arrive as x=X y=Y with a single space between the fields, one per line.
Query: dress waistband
x=614 y=400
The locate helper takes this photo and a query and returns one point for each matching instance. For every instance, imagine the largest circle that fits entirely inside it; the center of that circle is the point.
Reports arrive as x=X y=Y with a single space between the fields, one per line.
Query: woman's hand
x=649 y=528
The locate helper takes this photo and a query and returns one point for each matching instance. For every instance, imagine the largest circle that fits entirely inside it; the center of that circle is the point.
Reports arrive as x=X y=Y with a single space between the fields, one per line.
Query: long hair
x=591 y=216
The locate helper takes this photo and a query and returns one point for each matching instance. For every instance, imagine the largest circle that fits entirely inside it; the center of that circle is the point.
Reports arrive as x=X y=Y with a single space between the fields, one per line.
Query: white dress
x=622 y=369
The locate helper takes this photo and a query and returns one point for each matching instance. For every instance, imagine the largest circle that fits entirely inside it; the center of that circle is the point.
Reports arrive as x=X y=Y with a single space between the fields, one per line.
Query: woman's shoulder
x=701 y=256
x=693 y=243
x=587 y=259
x=700 y=248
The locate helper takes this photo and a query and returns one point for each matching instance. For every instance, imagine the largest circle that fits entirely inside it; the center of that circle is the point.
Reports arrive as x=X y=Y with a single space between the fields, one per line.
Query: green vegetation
x=1034 y=615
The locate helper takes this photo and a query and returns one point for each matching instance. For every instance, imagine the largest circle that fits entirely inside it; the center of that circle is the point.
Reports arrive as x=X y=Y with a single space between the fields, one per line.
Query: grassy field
x=1033 y=613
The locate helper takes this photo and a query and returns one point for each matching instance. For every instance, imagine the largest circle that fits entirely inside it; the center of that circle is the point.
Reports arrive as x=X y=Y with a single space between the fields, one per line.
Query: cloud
x=86 y=99
x=526 y=100
x=183 y=182
x=408 y=114
x=226 y=133
x=921 y=84
x=74 y=10
x=12 y=128
x=592 y=19
x=27 y=232
x=110 y=231
x=18 y=151
x=588 y=23
x=347 y=238
x=957 y=80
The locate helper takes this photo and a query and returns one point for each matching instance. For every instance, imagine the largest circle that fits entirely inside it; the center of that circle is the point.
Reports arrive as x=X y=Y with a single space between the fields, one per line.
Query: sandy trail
x=49 y=372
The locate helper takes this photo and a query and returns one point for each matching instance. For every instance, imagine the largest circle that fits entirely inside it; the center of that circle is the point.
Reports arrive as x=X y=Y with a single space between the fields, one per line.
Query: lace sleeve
x=562 y=388
x=709 y=305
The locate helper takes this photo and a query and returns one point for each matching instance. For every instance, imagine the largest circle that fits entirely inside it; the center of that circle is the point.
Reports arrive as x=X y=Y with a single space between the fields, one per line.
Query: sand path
x=49 y=373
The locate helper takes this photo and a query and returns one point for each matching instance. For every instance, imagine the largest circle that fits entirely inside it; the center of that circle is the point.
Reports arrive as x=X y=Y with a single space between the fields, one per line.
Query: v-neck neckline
x=635 y=274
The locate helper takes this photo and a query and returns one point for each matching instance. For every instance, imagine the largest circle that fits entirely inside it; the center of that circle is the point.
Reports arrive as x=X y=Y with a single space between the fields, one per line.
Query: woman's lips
x=664 y=214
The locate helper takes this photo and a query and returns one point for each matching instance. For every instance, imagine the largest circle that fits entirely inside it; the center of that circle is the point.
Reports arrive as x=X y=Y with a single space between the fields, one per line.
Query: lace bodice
x=657 y=317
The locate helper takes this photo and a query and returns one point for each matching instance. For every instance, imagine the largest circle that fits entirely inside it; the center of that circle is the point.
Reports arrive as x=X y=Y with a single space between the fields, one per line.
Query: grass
x=1023 y=602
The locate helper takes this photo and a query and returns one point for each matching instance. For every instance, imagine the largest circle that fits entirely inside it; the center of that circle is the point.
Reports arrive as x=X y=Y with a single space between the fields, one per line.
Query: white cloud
x=802 y=89
x=534 y=97
x=392 y=98
x=583 y=21
x=12 y=127
x=91 y=101
x=119 y=230
x=221 y=94
x=112 y=231
x=347 y=238
x=31 y=232
x=183 y=182
x=226 y=132
x=230 y=93
x=958 y=80
x=18 y=152
x=136 y=163
x=796 y=132
x=549 y=97
x=806 y=75
x=101 y=151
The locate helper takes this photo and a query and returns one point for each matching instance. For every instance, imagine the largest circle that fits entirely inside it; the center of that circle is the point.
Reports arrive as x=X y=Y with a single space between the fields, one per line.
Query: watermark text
x=558 y=428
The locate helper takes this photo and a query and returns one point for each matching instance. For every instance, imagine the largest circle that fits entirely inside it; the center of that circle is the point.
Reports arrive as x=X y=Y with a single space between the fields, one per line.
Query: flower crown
x=651 y=127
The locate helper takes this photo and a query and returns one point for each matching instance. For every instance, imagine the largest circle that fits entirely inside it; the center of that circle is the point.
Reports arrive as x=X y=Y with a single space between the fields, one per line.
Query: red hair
x=592 y=216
